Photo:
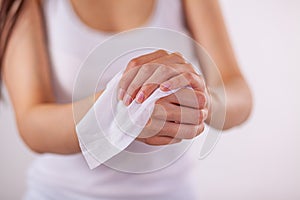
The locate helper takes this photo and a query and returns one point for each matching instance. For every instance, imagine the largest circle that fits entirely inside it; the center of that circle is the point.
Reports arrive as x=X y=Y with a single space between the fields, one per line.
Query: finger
x=174 y=113
x=181 y=131
x=140 y=78
x=125 y=81
x=187 y=97
x=170 y=59
x=169 y=63
x=138 y=61
x=173 y=59
x=160 y=75
x=131 y=70
x=161 y=140
x=185 y=79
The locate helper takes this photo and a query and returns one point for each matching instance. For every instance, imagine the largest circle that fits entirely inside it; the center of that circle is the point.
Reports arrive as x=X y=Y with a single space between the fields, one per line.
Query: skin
x=46 y=126
x=180 y=118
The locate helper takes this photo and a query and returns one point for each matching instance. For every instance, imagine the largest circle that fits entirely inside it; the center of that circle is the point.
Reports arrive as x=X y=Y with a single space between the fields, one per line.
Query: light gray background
x=259 y=160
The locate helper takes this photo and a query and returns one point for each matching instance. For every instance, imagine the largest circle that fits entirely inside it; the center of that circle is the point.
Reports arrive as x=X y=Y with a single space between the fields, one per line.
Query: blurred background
x=258 y=160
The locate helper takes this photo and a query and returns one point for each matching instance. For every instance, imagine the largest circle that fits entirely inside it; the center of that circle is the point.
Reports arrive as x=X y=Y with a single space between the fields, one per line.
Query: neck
x=113 y=15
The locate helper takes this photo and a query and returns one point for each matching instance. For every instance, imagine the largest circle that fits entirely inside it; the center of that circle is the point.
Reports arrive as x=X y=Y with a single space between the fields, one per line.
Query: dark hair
x=10 y=11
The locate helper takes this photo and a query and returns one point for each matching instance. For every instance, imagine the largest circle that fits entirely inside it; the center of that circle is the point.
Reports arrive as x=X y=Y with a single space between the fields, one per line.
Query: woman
x=39 y=41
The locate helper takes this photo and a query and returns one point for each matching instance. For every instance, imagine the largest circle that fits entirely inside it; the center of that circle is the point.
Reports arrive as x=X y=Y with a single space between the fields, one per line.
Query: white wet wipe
x=109 y=126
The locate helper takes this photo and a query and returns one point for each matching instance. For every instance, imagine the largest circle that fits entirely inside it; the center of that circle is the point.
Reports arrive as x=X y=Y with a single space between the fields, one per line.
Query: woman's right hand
x=175 y=117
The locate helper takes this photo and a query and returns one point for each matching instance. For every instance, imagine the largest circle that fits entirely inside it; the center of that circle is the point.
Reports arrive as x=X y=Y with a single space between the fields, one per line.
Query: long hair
x=10 y=11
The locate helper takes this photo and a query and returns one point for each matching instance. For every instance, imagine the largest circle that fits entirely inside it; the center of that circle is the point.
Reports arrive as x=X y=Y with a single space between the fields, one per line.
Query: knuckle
x=134 y=62
x=162 y=51
x=164 y=70
x=177 y=54
x=178 y=67
x=146 y=68
x=179 y=57
x=188 y=75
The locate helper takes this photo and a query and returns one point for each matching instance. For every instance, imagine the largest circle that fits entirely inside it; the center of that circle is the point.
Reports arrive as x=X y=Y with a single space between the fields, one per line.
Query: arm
x=205 y=21
x=43 y=125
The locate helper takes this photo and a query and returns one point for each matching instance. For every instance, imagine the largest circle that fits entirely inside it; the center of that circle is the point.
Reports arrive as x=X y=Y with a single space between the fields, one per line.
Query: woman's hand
x=146 y=73
x=177 y=116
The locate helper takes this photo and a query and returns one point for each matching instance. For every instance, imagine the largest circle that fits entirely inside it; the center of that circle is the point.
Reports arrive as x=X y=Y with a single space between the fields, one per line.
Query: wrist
x=216 y=104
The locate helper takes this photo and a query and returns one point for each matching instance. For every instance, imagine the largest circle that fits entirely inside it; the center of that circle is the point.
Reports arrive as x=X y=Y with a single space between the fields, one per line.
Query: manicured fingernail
x=121 y=93
x=127 y=99
x=165 y=86
x=140 y=97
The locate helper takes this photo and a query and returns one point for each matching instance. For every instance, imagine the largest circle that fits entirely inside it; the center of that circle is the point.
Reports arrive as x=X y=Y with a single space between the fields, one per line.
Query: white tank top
x=68 y=177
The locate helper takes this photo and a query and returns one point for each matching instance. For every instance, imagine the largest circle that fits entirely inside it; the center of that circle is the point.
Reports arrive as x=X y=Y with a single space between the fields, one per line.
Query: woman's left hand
x=146 y=73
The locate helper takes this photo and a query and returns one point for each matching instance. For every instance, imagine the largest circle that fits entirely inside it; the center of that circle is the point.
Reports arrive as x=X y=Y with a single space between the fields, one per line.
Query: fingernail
x=127 y=99
x=165 y=86
x=121 y=93
x=140 y=97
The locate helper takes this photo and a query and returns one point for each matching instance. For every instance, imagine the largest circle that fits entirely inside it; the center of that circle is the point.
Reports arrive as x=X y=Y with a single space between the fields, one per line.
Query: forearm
x=50 y=128
x=230 y=104
x=205 y=21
